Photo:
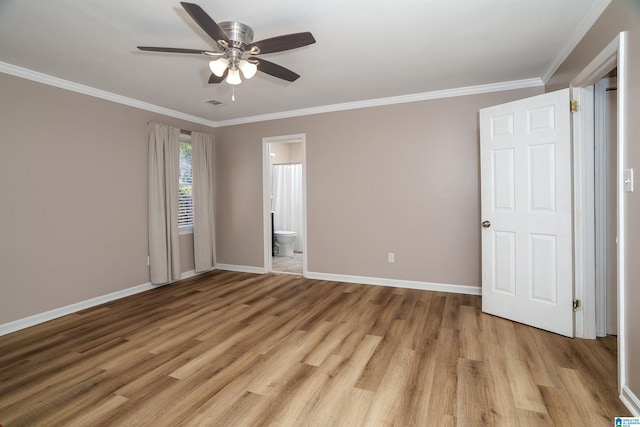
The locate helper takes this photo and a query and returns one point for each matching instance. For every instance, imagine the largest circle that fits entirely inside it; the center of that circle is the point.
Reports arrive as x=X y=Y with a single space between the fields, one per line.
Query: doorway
x=583 y=170
x=284 y=193
x=606 y=200
x=613 y=56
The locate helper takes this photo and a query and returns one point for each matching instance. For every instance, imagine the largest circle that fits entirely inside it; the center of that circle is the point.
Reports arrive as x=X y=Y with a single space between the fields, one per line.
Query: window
x=185 y=184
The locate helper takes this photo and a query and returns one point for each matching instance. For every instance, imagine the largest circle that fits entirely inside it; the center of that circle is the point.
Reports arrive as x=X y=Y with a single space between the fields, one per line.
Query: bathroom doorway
x=285 y=204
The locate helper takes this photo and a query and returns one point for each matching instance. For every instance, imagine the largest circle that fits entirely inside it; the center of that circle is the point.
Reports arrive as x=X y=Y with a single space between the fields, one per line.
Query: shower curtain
x=287 y=201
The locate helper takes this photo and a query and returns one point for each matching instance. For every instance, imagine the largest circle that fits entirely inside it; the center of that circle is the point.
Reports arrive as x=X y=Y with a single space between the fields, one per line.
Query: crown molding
x=97 y=93
x=424 y=96
x=585 y=24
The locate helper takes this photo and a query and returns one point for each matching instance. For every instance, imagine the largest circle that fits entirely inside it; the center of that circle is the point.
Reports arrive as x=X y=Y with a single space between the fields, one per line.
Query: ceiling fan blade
x=276 y=70
x=215 y=79
x=280 y=43
x=171 y=49
x=205 y=22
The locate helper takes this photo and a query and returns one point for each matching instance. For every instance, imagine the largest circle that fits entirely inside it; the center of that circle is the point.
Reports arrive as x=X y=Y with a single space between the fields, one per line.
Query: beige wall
x=73 y=205
x=279 y=152
x=73 y=180
x=621 y=15
x=405 y=181
x=286 y=152
x=295 y=152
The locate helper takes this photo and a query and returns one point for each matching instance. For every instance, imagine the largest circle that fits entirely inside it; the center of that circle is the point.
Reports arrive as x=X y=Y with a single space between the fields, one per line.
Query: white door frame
x=613 y=55
x=601 y=181
x=584 y=211
x=266 y=197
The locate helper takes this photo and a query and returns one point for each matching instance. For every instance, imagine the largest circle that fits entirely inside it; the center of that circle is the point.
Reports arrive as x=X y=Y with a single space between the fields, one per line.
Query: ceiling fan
x=236 y=50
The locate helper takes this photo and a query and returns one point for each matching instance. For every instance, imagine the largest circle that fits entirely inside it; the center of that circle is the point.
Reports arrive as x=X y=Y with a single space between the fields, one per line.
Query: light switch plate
x=628 y=180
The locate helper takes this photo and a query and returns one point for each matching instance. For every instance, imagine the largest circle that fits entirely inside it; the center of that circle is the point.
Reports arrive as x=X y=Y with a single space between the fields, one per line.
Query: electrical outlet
x=391 y=257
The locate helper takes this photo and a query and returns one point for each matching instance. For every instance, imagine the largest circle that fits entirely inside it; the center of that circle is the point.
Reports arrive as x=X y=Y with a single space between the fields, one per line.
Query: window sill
x=188 y=229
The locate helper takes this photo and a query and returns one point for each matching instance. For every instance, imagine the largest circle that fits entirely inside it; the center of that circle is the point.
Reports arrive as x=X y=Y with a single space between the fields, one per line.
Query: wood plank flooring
x=236 y=349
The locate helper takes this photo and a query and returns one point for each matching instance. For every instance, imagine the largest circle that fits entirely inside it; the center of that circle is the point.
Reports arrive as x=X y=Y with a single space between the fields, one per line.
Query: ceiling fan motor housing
x=238 y=33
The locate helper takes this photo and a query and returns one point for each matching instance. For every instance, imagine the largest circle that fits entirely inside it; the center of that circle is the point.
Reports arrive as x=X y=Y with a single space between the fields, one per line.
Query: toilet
x=284 y=242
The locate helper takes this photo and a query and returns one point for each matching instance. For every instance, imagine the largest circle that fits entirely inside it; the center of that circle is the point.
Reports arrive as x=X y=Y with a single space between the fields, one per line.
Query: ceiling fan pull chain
x=233 y=93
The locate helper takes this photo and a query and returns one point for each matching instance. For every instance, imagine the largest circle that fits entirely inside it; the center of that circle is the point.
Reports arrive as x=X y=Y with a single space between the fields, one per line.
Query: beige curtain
x=203 y=222
x=164 y=245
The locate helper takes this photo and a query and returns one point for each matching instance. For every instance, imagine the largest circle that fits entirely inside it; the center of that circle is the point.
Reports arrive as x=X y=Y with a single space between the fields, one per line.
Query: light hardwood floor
x=236 y=349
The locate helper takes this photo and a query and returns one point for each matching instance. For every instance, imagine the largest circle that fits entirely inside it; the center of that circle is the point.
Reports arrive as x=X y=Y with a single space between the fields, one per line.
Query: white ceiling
x=365 y=50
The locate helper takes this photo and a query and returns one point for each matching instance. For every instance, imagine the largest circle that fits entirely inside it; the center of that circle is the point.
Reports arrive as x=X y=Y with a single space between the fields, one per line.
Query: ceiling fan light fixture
x=236 y=49
x=219 y=66
x=248 y=69
x=233 y=78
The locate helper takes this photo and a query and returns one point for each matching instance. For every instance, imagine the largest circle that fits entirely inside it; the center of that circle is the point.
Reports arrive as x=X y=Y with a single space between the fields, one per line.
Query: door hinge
x=576 y=304
x=573 y=106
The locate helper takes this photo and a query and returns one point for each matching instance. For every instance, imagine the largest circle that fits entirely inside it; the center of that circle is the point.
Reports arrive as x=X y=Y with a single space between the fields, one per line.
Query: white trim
x=601 y=180
x=87 y=90
x=630 y=400
x=188 y=274
x=304 y=206
x=425 y=96
x=266 y=197
x=615 y=55
x=622 y=147
x=583 y=141
x=585 y=24
x=583 y=212
x=97 y=93
x=266 y=207
x=600 y=203
x=240 y=268
x=599 y=66
x=395 y=283
x=25 y=322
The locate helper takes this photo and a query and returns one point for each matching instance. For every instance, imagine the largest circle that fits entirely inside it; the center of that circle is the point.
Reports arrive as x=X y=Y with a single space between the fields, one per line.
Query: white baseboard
x=630 y=400
x=240 y=268
x=425 y=286
x=410 y=284
x=16 y=325
x=26 y=322
x=190 y=273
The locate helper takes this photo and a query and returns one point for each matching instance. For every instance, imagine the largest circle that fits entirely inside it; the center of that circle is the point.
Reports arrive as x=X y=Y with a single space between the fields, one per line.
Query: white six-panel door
x=527 y=261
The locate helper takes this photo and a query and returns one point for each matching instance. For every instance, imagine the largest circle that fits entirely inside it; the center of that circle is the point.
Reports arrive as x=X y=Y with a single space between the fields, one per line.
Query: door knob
x=486 y=224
